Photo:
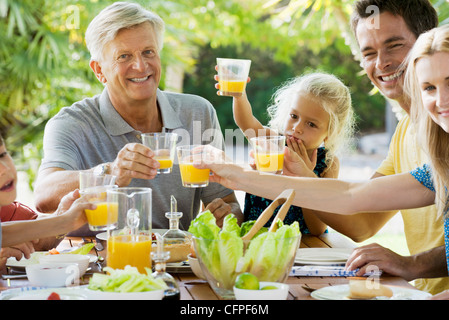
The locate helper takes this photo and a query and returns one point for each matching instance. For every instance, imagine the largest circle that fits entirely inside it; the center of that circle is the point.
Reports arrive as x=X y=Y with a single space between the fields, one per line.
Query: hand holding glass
x=232 y=76
x=191 y=176
x=105 y=216
x=269 y=153
x=163 y=145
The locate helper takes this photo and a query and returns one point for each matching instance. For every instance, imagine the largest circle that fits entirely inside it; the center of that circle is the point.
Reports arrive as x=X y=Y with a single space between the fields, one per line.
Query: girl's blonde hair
x=433 y=139
x=331 y=94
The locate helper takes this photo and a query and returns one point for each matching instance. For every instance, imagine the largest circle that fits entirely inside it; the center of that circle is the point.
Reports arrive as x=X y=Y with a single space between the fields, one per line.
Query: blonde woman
x=314 y=113
x=427 y=82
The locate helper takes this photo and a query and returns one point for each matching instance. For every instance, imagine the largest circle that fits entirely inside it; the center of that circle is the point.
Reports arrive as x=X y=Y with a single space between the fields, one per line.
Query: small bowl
x=195 y=266
x=80 y=259
x=145 y=295
x=280 y=293
x=50 y=274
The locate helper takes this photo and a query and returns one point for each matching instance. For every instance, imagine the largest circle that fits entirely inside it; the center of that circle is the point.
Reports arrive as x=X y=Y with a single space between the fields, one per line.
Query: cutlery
x=14 y=276
x=308 y=289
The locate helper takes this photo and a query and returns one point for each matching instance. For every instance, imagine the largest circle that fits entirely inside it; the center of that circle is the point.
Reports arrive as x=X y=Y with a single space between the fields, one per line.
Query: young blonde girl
x=314 y=113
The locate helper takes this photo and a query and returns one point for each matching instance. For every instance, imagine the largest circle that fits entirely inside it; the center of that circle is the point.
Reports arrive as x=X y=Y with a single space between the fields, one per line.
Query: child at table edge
x=22 y=230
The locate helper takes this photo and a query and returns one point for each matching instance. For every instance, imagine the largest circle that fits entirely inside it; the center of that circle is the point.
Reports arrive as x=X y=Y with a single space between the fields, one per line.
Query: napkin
x=328 y=271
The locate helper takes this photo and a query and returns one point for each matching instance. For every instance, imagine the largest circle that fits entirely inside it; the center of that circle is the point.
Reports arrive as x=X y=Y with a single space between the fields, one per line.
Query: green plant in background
x=44 y=64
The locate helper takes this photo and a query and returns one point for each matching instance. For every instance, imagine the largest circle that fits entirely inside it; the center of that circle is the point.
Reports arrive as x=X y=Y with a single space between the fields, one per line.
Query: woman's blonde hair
x=331 y=94
x=433 y=139
x=120 y=15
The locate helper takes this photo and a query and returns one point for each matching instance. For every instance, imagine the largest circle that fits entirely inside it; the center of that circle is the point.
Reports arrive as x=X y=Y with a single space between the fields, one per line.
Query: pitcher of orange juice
x=130 y=244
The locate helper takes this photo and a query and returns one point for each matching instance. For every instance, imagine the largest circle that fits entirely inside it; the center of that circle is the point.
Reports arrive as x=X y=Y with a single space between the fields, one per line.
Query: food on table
x=127 y=280
x=224 y=254
x=178 y=251
x=85 y=249
x=54 y=296
x=247 y=281
x=269 y=288
x=367 y=289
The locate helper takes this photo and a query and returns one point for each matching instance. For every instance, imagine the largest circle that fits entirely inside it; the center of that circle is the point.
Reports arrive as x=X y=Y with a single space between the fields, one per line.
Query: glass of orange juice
x=192 y=177
x=89 y=179
x=163 y=145
x=130 y=243
x=269 y=153
x=232 y=76
x=105 y=216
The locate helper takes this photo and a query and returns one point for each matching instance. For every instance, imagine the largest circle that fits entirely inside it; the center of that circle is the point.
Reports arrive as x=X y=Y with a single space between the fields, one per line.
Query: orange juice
x=193 y=177
x=232 y=87
x=123 y=251
x=99 y=219
x=165 y=162
x=269 y=162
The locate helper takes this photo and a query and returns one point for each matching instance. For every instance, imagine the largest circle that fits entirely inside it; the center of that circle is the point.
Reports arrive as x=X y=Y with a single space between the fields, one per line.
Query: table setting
x=129 y=260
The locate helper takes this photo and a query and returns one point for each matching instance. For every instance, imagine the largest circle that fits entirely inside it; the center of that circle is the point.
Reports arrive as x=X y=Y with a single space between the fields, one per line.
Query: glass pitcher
x=130 y=244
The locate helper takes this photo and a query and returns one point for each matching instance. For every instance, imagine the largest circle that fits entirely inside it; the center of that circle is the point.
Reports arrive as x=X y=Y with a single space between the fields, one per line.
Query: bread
x=178 y=252
x=367 y=289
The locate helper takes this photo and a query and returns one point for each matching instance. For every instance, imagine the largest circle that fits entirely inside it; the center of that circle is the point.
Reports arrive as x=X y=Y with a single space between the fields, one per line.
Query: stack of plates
x=322 y=256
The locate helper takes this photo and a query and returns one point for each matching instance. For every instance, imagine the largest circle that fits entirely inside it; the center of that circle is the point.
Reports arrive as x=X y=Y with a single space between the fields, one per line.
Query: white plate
x=322 y=256
x=34 y=259
x=36 y=293
x=341 y=292
x=22 y=263
x=75 y=293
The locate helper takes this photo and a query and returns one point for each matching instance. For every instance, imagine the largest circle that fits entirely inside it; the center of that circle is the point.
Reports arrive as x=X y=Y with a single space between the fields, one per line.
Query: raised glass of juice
x=163 y=145
x=130 y=243
x=192 y=177
x=269 y=153
x=105 y=216
x=232 y=76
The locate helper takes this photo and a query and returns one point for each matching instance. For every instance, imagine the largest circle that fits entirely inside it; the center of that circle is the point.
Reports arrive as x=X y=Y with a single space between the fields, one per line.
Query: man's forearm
x=430 y=264
x=51 y=186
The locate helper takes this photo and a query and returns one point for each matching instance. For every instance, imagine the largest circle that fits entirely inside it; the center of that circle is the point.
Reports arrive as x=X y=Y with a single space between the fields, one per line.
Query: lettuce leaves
x=225 y=254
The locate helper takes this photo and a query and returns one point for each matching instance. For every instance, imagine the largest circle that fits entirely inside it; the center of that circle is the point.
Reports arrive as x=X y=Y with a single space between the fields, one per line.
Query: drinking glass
x=163 y=145
x=192 y=177
x=269 y=153
x=89 y=179
x=232 y=76
x=105 y=216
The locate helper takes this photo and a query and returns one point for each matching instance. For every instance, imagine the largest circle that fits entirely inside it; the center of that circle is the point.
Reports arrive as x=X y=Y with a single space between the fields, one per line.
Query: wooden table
x=193 y=288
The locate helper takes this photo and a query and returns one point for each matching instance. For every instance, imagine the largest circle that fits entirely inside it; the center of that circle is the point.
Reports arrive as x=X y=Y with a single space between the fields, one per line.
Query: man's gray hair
x=120 y=15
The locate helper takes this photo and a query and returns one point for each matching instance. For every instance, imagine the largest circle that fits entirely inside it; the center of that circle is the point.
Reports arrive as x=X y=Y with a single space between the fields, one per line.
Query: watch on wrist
x=101 y=169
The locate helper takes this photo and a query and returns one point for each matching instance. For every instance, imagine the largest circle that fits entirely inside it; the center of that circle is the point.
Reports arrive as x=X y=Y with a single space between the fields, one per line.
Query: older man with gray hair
x=103 y=133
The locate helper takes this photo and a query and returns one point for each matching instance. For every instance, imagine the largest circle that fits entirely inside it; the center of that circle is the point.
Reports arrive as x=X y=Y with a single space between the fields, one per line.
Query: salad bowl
x=223 y=254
